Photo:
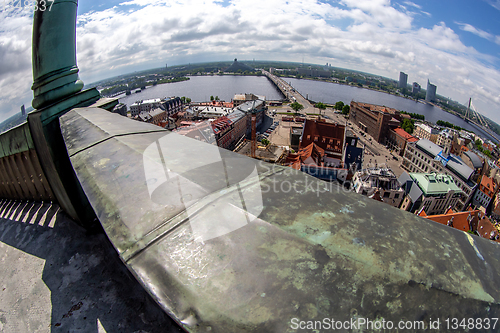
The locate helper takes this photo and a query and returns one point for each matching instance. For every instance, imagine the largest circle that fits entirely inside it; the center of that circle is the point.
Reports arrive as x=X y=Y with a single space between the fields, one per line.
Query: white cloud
x=475 y=31
x=15 y=64
x=378 y=39
x=494 y=3
x=409 y=3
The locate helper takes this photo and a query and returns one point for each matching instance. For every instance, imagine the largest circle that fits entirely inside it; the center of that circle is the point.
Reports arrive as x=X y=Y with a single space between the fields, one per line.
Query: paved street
x=375 y=153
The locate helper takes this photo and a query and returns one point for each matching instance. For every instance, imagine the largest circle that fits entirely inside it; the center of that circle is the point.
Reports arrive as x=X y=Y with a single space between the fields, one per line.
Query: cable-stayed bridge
x=474 y=117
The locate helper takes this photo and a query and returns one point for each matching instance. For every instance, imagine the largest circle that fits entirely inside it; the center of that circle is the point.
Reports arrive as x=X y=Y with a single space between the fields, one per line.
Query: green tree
x=296 y=106
x=265 y=142
x=217 y=98
x=478 y=143
x=183 y=99
x=346 y=109
x=211 y=98
x=339 y=105
x=188 y=100
x=320 y=106
x=408 y=126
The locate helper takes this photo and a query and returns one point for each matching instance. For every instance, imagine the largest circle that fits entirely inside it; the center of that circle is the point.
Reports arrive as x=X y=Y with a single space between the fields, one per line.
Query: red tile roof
x=328 y=136
x=408 y=137
x=312 y=150
x=486 y=229
x=488 y=182
x=459 y=219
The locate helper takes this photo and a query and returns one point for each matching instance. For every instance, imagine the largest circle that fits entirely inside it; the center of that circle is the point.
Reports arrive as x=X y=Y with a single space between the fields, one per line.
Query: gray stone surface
x=56 y=278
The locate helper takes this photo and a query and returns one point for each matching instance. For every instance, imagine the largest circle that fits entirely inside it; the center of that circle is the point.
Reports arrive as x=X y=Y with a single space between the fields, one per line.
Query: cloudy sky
x=454 y=43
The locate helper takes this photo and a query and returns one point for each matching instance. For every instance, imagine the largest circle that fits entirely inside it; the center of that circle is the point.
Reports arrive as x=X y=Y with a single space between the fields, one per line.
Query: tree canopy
x=408 y=125
x=320 y=106
x=296 y=106
x=346 y=109
x=339 y=105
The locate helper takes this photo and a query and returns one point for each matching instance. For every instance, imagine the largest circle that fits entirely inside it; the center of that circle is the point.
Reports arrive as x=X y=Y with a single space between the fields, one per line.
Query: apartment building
x=430 y=192
x=369 y=181
x=485 y=192
x=423 y=131
x=425 y=156
x=398 y=138
x=375 y=120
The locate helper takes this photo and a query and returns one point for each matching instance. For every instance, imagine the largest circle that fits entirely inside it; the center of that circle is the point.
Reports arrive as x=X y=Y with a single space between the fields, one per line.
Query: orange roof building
x=465 y=221
x=327 y=136
x=398 y=138
x=472 y=220
x=485 y=192
x=310 y=155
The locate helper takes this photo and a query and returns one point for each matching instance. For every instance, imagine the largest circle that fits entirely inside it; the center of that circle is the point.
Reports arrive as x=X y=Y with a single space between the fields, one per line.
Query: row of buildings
x=157 y=111
x=228 y=123
x=435 y=197
x=444 y=170
x=430 y=95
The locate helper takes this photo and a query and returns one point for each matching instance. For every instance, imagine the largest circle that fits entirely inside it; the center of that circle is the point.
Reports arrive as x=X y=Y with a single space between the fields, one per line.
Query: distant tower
x=415 y=88
x=430 y=95
x=23 y=110
x=403 y=80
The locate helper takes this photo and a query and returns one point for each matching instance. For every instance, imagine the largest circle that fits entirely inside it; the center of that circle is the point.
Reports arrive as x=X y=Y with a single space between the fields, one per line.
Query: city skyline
x=452 y=44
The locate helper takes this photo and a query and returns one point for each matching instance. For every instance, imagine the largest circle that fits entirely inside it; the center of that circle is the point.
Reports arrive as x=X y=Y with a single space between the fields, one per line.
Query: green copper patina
x=55 y=73
x=225 y=243
x=58 y=89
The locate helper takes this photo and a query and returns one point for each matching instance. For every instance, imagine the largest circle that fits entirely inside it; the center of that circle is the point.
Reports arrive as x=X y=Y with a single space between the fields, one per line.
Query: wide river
x=200 y=88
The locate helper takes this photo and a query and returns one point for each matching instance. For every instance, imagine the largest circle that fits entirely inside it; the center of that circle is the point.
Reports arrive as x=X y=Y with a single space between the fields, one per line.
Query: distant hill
x=239 y=66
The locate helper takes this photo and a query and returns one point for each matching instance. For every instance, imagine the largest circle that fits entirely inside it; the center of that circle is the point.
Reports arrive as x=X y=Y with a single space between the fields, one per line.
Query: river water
x=331 y=93
x=200 y=88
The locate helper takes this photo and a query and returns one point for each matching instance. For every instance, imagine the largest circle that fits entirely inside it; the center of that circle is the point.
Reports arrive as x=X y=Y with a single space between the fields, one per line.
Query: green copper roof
x=432 y=183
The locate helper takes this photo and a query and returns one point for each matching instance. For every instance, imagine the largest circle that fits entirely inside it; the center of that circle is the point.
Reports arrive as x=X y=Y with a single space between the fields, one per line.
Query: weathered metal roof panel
x=16 y=140
x=230 y=244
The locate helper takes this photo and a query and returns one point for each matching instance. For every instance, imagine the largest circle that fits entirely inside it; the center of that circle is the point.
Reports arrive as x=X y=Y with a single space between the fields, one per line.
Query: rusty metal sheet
x=225 y=243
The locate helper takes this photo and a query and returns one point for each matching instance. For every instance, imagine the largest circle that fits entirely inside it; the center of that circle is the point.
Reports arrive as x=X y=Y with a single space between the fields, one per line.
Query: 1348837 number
x=471 y=323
